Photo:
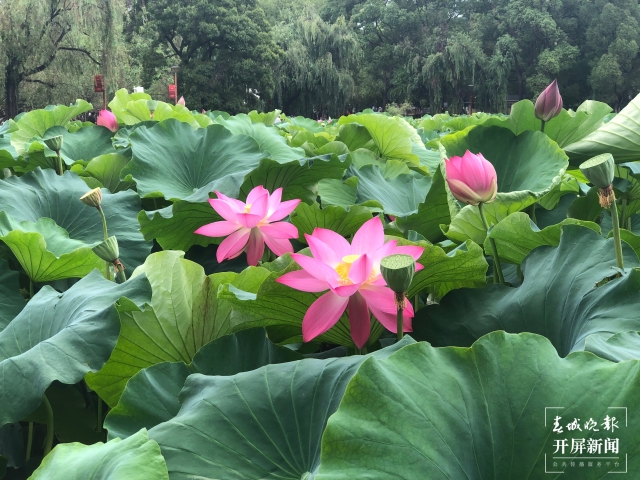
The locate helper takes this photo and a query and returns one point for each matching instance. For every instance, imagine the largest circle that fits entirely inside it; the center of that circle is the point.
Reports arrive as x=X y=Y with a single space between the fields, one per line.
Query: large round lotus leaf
x=45 y=251
x=42 y=193
x=37 y=122
x=397 y=194
x=558 y=298
x=105 y=169
x=151 y=396
x=617 y=348
x=11 y=301
x=266 y=423
x=60 y=336
x=175 y=161
x=619 y=137
x=184 y=315
x=270 y=141
x=481 y=412
x=136 y=458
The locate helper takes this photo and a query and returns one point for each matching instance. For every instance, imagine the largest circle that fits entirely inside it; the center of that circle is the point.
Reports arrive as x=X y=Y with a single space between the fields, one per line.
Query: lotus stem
x=60 y=164
x=99 y=422
x=498 y=277
x=416 y=303
x=532 y=211
x=29 y=441
x=616 y=234
x=623 y=213
x=542 y=126
x=48 y=443
x=105 y=232
x=31 y=288
x=400 y=299
x=119 y=269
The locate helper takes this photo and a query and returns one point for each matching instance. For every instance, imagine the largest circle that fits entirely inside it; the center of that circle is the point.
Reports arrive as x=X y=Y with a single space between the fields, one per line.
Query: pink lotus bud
x=204 y=112
x=108 y=120
x=549 y=103
x=472 y=179
x=181 y=101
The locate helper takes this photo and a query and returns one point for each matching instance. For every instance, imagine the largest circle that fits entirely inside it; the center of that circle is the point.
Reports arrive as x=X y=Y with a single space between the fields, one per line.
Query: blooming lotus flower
x=108 y=120
x=181 y=101
x=549 y=103
x=248 y=226
x=472 y=179
x=351 y=273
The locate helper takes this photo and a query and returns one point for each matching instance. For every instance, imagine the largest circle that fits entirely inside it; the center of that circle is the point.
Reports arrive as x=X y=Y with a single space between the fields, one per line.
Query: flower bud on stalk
x=93 y=198
x=398 y=270
x=55 y=144
x=110 y=253
x=472 y=179
x=600 y=171
x=548 y=104
x=108 y=120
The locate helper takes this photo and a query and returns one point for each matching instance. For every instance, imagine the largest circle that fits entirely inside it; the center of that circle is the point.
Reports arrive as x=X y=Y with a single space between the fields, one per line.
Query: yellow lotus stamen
x=344 y=267
x=247 y=207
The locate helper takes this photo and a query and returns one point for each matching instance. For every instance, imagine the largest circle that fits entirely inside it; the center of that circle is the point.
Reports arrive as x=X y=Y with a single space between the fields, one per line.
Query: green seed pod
x=93 y=198
x=54 y=143
x=107 y=250
x=599 y=170
x=397 y=270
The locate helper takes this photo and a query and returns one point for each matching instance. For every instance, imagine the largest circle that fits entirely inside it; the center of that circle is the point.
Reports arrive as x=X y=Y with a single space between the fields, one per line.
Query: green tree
x=223 y=47
x=36 y=33
x=316 y=70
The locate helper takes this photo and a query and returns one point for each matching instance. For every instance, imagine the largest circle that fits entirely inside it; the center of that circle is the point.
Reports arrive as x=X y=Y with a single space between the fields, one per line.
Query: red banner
x=172 y=91
x=98 y=84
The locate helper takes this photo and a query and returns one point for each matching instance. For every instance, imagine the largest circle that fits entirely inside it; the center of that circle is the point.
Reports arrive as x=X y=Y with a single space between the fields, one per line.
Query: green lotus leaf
x=479 y=412
x=568 y=127
x=563 y=279
x=354 y=136
x=45 y=251
x=151 y=396
x=184 y=314
x=60 y=336
x=175 y=161
x=136 y=458
x=516 y=236
x=42 y=193
x=443 y=271
x=37 y=122
x=173 y=227
x=119 y=106
x=333 y=192
x=528 y=166
x=309 y=217
x=617 y=348
x=435 y=210
x=266 y=423
x=11 y=301
x=268 y=139
x=268 y=118
x=298 y=178
x=105 y=169
x=392 y=135
x=619 y=137
x=398 y=195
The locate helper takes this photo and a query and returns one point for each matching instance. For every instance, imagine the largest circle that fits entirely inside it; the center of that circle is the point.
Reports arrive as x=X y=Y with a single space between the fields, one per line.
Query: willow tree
x=453 y=66
x=33 y=33
x=315 y=71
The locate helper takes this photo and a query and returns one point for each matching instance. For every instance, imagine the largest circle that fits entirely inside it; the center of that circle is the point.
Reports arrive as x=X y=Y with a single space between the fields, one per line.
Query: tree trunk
x=520 y=78
x=12 y=81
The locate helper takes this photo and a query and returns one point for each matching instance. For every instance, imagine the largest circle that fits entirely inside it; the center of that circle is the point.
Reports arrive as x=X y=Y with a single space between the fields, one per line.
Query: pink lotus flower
x=249 y=225
x=108 y=120
x=181 y=101
x=549 y=103
x=472 y=179
x=351 y=273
